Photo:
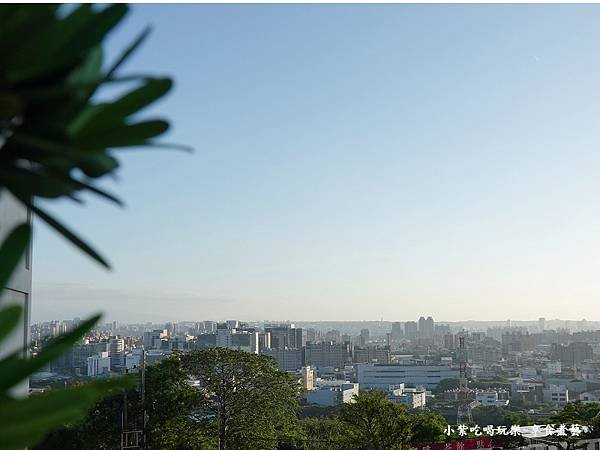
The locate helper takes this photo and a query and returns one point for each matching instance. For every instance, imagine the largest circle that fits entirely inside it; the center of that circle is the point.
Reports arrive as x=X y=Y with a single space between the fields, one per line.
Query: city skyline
x=351 y=162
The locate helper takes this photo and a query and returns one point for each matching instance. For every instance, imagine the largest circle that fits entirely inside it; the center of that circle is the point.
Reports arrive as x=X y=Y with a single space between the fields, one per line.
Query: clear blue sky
x=352 y=162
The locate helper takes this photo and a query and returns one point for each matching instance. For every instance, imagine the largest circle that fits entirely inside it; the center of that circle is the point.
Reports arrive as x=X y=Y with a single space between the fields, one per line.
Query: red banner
x=483 y=442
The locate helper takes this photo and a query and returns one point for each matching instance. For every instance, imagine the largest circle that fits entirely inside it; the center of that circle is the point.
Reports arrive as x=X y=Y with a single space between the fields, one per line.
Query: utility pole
x=135 y=438
x=143 y=397
x=463 y=415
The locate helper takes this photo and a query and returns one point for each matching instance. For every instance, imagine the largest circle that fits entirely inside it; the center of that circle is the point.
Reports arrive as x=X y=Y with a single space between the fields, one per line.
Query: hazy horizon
x=351 y=162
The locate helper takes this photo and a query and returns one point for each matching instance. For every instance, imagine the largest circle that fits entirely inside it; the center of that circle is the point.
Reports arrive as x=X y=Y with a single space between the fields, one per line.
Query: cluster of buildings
x=505 y=365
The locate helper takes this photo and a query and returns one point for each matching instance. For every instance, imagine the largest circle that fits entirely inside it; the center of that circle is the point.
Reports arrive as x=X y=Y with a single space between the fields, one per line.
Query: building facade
x=385 y=376
x=18 y=289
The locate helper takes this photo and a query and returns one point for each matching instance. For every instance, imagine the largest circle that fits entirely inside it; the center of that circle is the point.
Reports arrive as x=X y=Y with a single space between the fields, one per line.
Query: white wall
x=18 y=290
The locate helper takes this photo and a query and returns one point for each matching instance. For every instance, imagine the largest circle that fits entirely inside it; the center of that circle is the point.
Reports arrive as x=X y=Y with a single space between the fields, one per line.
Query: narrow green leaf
x=15 y=369
x=24 y=422
x=95 y=190
x=104 y=117
x=11 y=251
x=25 y=183
x=129 y=51
x=16 y=23
x=9 y=319
x=170 y=145
x=65 y=42
x=97 y=165
x=38 y=93
x=127 y=135
x=38 y=56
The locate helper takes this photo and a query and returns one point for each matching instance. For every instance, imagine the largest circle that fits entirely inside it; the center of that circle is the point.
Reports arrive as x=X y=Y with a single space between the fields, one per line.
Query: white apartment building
x=98 y=364
x=308 y=377
x=410 y=397
x=490 y=398
x=385 y=376
x=332 y=393
x=117 y=354
x=133 y=360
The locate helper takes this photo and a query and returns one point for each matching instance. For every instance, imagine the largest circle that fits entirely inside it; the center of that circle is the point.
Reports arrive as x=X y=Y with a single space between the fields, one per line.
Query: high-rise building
x=245 y=339
x=224 y=339
x=328 y=354
x=333 y=336
x=572 y=354
x=517 y=342
x=365 y=334
x=411 y=330
x=285 y=336
x=541 y=324
x=449 y=341
x=288 y=359
x=371 y=354
x=312 y=335
x=397 y=332
x=308 y=378
x=426 y=326
x=429 y=326
x=231 y=324
x=153 y=339
x=210 y=326
x=264 y=341
x=117 y=354
x=421 y=326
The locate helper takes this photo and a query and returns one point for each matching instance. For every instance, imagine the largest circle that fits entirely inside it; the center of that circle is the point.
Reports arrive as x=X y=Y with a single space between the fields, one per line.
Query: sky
x=352 y=162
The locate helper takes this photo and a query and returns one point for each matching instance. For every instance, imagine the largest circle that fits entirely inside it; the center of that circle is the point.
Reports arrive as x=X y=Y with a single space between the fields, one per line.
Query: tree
x=169 y=404
x=579 y=414
x=249 y=401
x=373 y=422
x=56 y=141
x=428 y=427
x=325 y=433
x=493 y=415
x=446 y=384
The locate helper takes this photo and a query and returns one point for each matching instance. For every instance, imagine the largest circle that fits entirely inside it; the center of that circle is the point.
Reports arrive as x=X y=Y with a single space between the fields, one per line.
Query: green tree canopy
x=251 y=403
x=325 y=433
x=428 y=427
x=575 y=413
x=374 y=422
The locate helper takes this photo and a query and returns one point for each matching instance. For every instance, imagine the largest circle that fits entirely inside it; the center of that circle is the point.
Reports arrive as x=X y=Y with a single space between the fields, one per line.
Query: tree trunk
x=222 y=430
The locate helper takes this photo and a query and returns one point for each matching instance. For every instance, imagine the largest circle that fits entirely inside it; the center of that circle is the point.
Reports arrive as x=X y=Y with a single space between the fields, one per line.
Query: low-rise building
x=410 y=397
x=557 y=395
x=332 y=393
x=590 y=396
x=490 y=398
x=382 y=376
